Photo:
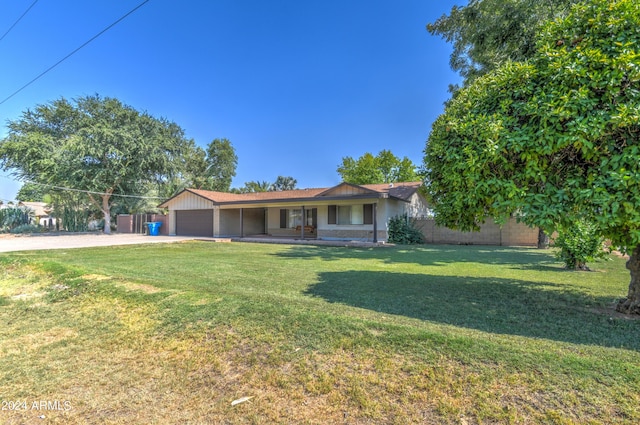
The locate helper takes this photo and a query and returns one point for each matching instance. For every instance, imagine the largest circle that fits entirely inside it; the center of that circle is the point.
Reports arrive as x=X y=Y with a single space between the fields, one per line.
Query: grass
x=174 y=333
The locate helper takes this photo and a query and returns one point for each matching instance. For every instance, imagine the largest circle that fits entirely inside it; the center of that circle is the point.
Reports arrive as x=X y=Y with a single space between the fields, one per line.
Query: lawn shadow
x=433 y=255
x=501 y=306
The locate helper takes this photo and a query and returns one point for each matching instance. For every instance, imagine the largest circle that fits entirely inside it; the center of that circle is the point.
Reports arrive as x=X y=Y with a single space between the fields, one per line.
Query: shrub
x=404 y=230
x=27 y=228
x=579 y=244
x=12 y=217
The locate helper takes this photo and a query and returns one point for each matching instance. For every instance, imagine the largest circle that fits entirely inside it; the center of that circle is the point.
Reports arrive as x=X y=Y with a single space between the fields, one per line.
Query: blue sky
x=294 y=85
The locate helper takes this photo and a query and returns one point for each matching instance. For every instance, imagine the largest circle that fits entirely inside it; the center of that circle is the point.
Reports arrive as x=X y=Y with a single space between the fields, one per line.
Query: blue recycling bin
x=154 y=228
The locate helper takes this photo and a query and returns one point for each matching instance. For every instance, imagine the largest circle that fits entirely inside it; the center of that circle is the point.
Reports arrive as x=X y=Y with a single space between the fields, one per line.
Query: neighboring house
x=343 y=212
x=41 y=210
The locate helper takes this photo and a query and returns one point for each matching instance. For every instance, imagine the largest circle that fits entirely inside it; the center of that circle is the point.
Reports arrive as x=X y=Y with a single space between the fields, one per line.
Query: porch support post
x=375 y=222
x=213 y=220
x=242 y=222
x=304 y=220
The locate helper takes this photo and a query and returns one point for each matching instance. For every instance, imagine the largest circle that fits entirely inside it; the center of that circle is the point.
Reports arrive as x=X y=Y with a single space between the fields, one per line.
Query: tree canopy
x=30 y=192
x=221 y=163
x=281 y=183
x=256 y=186
x=488 y=33
x=382 y=168
x=212 y=168
x=284 y=183
x=552 y=139
x=95 y=145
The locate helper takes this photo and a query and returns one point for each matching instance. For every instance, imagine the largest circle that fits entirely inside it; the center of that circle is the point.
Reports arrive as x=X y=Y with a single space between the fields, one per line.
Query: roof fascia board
x=298 y=201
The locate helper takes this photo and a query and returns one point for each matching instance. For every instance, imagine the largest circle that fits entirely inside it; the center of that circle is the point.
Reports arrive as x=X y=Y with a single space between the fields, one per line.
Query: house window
x=350 y=214
x=292 y=218
x=295 y=218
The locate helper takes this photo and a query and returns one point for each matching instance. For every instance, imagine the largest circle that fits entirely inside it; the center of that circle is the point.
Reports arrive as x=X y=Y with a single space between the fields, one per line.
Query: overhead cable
x=94 y=193
x=18 y=20
x=70 y=54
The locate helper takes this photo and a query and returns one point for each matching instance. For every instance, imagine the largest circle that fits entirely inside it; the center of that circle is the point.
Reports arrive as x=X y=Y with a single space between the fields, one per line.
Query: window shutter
x=332 y=214
x=283 y=219
x=368 y=213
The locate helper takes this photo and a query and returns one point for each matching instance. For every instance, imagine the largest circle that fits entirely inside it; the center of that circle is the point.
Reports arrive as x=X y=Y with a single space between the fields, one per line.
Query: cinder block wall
x=511 y=233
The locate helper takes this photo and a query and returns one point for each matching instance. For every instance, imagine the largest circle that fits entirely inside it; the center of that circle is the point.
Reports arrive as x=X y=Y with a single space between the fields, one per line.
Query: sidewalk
x=10 y=243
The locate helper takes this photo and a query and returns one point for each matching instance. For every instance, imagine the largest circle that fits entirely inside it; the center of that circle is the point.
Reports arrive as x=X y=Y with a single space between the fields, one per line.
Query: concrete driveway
x=57 y=241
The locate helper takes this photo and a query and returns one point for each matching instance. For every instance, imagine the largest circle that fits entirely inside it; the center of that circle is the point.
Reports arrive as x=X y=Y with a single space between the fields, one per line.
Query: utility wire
x=70 y=54
x=18 y=20
x=94 y=193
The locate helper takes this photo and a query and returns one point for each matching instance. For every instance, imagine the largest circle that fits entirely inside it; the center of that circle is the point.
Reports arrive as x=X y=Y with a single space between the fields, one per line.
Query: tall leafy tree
x=93 y=144
x=487 y=33
x=284 y=183
x=554 y=139
x=30 y=192
x=256 y=186
x=382 y=168
x=190 y=171
x=221 y=160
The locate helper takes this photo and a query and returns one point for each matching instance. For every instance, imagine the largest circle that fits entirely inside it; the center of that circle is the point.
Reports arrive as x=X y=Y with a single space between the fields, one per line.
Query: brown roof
x=40 y=209
x=402 y=191
x=256 y=196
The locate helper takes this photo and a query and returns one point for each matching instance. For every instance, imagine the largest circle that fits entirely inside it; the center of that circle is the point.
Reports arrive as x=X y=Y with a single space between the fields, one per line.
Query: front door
x=310 y=229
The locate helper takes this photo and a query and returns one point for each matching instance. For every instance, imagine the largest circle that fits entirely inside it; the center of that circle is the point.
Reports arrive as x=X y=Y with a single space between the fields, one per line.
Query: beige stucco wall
x=254 y=221
x=228 y=223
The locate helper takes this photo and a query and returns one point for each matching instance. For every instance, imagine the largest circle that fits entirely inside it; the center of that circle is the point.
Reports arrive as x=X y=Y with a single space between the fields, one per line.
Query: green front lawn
x=434 y=334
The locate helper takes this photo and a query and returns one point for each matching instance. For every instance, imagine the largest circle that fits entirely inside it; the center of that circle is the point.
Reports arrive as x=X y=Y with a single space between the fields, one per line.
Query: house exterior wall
x=228 y=223
x=356 y=232
x=273 y=223
x=418 y=207
x=386 y=208
x=254 y=219
x=324 y=230
x=226 y=217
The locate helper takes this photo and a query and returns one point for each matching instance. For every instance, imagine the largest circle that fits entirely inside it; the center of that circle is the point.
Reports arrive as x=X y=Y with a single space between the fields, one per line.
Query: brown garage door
x=194 y=223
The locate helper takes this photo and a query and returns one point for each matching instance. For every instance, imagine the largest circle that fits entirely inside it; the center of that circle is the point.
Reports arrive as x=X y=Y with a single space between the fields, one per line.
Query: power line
x=18 y=20
x=94 y=193
x=70 y=54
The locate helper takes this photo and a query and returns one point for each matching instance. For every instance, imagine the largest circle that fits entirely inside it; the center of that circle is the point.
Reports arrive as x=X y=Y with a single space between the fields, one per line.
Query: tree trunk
x=631 y=304
x=543 y=239
x=106 y=210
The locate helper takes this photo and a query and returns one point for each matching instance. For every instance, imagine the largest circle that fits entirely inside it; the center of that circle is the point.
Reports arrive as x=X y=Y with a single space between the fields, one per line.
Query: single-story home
x=42 y=211
x=343 y=212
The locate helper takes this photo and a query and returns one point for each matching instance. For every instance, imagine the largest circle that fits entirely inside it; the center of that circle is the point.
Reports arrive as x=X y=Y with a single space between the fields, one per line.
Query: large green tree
x=255 y=186
x=30 y=192
x=284 y=183
x=221 y=161
x=93 y=144
x=382 y=168
x=487 y=33
x=212 y=168
x=554 y=139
